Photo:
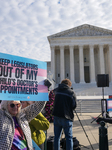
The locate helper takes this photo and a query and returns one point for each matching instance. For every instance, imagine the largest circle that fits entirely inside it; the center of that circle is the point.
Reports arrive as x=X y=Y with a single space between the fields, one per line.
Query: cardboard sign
x=22 y=79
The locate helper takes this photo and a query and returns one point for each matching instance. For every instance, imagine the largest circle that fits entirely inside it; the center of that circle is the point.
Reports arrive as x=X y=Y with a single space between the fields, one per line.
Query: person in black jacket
x=64 y=104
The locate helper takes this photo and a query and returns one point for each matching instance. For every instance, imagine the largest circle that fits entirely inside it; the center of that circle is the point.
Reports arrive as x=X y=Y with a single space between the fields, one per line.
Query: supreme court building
x=81 y=53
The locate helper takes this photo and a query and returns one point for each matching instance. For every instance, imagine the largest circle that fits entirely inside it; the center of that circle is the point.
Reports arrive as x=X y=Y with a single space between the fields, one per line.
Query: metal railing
x=88 y=106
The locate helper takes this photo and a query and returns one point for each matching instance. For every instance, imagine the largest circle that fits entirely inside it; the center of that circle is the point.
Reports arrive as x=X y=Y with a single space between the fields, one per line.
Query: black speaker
x=102 y=80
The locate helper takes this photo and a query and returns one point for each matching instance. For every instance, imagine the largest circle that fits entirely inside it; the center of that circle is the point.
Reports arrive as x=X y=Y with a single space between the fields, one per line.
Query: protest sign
x=109 y=107
x=35 y=146
x=22 y=78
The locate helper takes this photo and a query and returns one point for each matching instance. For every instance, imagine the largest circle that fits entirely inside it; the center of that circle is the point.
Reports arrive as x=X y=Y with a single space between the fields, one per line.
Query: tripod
x=84 y=131
x=103 y=107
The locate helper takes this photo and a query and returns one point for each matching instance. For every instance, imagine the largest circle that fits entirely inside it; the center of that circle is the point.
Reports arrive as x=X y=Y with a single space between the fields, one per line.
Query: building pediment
x=83 y=30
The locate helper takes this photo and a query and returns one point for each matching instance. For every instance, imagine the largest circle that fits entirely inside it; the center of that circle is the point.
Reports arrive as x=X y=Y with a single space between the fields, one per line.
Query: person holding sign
x=37 y=125
x=14 y=128
x=15 y=132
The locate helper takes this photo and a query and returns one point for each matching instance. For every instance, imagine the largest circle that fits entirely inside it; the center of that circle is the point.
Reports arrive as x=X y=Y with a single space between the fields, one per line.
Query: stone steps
x=90 y=90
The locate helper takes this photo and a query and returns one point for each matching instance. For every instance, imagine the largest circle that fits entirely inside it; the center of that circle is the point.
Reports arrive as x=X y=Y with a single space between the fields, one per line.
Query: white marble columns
x=81 y=64
x=62 y=65
x=71 y=63
x=101 y=59
x=110 y=62
x=92 y=64
x=53 y=61
x=77 y=64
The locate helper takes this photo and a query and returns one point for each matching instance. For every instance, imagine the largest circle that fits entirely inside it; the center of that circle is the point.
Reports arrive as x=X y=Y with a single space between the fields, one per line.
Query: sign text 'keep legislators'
x=18 y=77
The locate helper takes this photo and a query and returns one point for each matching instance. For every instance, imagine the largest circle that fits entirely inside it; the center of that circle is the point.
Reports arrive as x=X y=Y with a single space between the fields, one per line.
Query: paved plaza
x=91 y=129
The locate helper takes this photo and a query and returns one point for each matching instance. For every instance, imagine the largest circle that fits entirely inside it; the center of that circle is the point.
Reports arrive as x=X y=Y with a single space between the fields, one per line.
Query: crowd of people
x=23 y=121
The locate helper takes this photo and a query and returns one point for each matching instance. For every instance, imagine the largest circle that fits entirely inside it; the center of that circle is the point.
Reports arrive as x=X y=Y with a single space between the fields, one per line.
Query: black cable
x=84 y=130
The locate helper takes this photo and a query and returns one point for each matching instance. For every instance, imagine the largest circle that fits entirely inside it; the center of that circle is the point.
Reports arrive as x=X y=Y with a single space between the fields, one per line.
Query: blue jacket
x=65 y=102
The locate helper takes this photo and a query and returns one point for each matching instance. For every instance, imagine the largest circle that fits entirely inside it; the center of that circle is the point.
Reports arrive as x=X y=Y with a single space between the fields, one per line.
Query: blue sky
x=25 y=24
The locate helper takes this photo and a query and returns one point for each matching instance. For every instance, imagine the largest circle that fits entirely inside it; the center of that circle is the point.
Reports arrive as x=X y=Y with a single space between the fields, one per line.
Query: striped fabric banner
x=109 y=105
x=22 y=78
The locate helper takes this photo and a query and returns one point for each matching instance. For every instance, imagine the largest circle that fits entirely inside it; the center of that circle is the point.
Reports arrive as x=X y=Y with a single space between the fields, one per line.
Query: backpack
x=76 y=145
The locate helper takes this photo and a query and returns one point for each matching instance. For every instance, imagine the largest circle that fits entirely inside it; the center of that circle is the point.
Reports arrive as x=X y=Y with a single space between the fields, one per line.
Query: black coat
x=65 y=102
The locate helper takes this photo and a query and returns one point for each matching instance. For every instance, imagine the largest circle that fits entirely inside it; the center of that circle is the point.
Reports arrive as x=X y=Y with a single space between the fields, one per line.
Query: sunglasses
x=13 y=105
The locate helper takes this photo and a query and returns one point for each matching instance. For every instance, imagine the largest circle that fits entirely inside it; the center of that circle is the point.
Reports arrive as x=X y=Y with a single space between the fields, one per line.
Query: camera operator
x=64 y=104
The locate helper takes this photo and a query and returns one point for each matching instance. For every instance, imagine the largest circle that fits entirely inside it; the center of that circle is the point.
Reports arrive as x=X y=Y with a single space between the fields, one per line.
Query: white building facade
x=81 y=53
